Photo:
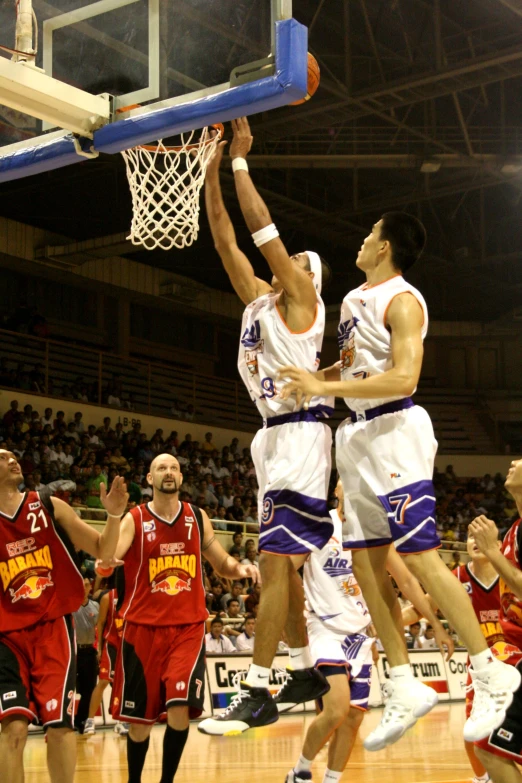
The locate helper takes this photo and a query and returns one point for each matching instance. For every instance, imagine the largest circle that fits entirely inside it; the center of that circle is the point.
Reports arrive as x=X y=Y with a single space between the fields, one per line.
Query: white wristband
x=239 y=164
x=265 y=234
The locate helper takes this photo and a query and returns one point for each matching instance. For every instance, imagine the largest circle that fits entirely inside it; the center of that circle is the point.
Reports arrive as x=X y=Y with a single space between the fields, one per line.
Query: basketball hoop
x=165 y=183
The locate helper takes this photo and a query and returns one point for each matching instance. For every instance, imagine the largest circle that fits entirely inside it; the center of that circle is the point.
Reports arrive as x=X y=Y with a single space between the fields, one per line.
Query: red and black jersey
x=486 y=603
x=39 y=579
x=510 y=605
x=113 y=627
x=163 y=570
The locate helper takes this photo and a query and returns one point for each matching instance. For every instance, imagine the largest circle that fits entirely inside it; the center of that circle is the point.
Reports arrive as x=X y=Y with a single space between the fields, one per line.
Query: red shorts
x=38 y=673
x=108 y=661
x=158 y=668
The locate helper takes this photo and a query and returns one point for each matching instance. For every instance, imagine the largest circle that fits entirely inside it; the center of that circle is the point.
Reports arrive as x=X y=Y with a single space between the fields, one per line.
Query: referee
x=85 y=620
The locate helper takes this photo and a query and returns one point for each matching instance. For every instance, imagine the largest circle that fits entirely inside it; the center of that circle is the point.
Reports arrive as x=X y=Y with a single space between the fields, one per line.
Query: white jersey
x=267 y=344
x=364 y=341
x=331 y=590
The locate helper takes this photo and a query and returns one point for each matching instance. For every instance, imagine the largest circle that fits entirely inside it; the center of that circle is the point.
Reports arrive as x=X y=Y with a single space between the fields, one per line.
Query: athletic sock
x=331 y=776
x=136 y=752
x=400 y=675
x=300 y=658
x=173 y=744
x=303 y=765
x=258 y=676
x=481 y=660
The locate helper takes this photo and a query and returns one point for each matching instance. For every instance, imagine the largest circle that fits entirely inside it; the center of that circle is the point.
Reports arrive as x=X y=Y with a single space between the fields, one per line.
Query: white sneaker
x=89 y=726
x=122 y=729
x=403 y=705
x=494 y=687
x=484 y=779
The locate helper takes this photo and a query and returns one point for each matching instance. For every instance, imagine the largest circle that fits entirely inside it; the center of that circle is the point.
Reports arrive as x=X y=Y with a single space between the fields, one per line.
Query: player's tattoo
x=209 y=543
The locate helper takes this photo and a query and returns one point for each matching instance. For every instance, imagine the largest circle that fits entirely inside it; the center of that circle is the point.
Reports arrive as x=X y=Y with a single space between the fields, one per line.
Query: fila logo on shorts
x=9 y=695
x=507 y=735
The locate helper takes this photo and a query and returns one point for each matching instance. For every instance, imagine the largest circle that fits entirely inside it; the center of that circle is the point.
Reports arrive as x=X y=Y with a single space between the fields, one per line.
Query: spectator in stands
x=47 y=418
x=218 y=471
x=113 y=398
x=71 y=433
x=227 y=498
x=209 y=498
x=93 y=487
x=237 y=543
x=233 y=610
x=208 y=445
x=59 y=420
x=414 y=632
x=245 y=640
x=252 y=599
x=190 y=413
x=94 y=441
x=237 y=589
x=250 y=556
x=427 y=641
x=10 y=416
x=216 y=641
x=236 y=509
x=37 y=478
x=214 y=597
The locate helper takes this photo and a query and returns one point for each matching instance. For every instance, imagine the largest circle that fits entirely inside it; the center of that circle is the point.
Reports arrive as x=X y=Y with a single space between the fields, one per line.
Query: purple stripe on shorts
x=411 y=509
x=293 y=524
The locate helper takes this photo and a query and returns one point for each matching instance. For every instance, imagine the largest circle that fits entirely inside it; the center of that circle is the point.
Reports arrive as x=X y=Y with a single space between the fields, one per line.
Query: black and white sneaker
x=302 y=685
x=250 y=708
x=298 y=777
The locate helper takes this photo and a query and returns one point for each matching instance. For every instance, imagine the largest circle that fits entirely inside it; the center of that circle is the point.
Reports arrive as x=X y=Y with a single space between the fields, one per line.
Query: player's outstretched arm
x=410 y=587
x=295 y=281
x=83 y=536
x=485 y=534
x=237 y=266
x=222 y=563
x=405 y=320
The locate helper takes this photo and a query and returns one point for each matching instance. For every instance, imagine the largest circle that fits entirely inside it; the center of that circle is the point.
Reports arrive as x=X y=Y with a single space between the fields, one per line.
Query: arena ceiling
x=419 y=109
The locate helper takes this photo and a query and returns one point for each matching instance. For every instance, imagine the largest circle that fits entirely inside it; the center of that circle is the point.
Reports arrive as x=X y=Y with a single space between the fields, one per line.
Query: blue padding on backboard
x=288 y=84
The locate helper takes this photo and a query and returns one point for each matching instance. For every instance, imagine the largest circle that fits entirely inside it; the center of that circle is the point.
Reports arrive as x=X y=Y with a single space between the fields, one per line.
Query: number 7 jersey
x=267 y=344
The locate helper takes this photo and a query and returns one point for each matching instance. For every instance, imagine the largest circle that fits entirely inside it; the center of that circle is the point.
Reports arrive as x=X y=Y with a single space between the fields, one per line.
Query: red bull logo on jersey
x=36 y=564
x=172 y=585
x=32 y=588
x=172 y=574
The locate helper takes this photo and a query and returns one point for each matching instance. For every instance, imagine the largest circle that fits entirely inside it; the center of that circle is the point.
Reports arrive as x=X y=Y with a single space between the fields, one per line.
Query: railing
x=152 y=386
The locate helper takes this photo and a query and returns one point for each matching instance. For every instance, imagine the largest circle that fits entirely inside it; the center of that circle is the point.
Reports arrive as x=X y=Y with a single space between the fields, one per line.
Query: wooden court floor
x=431 y=752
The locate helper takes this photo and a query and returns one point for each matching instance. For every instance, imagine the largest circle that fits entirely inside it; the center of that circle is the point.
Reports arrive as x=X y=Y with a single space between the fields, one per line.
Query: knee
x=139 y=732
x=178 y=718
x=14 y=732
x=57 y=736
x=336 y=714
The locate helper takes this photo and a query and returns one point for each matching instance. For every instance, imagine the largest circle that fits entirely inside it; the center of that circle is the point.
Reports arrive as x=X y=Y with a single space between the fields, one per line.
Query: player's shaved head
x=161 y=457
x=165 y=474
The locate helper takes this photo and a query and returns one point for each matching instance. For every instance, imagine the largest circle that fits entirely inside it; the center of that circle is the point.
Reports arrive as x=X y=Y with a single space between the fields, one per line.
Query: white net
x=165 y=184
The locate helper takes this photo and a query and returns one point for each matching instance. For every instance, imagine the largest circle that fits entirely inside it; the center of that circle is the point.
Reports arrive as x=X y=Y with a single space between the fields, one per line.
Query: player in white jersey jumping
x=338 y=625
x=385 y=454
x=283 y=322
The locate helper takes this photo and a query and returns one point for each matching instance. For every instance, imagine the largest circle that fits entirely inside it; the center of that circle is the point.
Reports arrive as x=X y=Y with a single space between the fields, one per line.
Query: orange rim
x=156 y=148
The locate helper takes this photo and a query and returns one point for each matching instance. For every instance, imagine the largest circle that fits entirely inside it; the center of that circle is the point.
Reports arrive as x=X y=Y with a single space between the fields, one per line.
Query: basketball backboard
x=181 y=64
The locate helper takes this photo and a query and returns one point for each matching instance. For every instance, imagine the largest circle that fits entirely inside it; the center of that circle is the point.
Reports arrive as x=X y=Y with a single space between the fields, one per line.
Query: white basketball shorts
x=386 y=469
x=293 y=463
x=352 y=653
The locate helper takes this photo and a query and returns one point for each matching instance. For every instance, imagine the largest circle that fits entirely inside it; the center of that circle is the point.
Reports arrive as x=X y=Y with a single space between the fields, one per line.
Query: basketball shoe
x=122 y=729
x=403 y=705
x=302 y=685
x=250 y=708
x=493 y=687
x=484 y=779
x=299 y=777
x=89 y=727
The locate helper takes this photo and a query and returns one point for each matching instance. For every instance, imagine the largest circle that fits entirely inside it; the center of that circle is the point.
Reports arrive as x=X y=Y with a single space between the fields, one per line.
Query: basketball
x=105 y=572
x=314 y=78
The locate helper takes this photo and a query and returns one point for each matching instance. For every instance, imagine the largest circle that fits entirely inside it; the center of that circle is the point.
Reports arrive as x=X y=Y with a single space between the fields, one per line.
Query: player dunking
x=283 y=322
x=40 y=587
x=501 y=751
x=385 y=454
x=160 y=668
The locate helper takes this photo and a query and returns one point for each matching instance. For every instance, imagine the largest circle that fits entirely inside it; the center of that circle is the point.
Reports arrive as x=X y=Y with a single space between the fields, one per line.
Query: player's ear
x=149 y=479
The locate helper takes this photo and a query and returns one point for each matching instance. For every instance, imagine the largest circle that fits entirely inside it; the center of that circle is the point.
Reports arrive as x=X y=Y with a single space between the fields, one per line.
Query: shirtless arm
x=239 y=269
x=296 y=282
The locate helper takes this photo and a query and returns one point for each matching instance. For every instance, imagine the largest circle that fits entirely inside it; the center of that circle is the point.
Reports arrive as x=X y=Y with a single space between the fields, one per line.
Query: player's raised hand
x=485 y=533
x=217 y=156
x=303 y=384
x=243 y=139
x=115 y=502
